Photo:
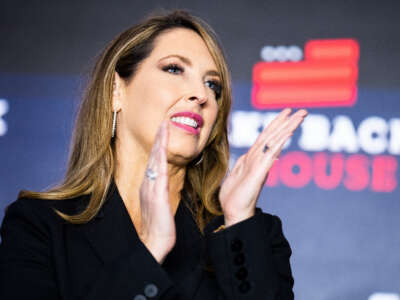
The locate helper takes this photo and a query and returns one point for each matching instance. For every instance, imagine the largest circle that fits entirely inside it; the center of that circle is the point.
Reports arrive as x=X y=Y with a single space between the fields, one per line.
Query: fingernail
x=304 y=112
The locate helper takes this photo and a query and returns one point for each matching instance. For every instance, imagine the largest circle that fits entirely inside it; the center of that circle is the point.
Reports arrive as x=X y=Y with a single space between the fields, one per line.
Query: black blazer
x=44 y=257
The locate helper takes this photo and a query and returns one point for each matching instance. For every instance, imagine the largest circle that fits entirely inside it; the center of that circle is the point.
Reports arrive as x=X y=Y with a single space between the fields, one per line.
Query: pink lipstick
x=196 y=117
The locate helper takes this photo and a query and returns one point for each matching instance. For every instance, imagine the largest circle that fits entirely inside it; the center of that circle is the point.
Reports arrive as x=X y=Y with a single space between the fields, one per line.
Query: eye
x=215 y=86
x=173 y=69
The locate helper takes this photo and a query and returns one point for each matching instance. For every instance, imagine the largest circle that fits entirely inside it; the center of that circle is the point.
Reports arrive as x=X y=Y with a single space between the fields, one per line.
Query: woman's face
x=177 y=82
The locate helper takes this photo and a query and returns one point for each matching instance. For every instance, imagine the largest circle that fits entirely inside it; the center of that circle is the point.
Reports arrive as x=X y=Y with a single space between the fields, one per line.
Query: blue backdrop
x=335 y=186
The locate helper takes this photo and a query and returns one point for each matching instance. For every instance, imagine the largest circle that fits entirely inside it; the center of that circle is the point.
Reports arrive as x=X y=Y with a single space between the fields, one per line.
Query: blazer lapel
x=184 y=262
x=112 y=234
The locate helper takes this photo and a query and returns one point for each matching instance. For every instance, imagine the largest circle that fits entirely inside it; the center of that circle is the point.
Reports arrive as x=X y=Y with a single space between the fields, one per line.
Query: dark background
x=346 y=244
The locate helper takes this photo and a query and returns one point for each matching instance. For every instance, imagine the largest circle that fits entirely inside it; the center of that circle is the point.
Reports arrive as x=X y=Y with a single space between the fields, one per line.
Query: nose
x=200 y=99
x=198 y=94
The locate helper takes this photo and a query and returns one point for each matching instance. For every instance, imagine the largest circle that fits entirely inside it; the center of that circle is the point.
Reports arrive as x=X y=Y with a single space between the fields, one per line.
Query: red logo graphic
x=326 y=77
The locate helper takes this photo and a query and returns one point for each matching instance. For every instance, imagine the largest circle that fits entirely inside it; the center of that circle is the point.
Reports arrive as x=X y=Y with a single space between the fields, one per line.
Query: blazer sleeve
x=251 y=259
x=27 y=269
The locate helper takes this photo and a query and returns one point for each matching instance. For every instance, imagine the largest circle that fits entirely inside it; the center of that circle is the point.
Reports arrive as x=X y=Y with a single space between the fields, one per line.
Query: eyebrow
x=189 y=63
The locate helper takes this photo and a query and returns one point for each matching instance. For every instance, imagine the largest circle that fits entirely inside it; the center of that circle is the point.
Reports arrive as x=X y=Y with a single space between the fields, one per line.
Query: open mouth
x=189 y=121
x=186 y=123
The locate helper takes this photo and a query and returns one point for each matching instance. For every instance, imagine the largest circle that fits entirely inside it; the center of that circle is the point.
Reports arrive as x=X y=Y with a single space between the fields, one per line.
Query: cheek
x=150 y=98
x=145 y=109
x=214 y=114
x=211 y=119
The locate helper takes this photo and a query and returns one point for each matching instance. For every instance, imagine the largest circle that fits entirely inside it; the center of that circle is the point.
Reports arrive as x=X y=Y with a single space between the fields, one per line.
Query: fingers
x=158 y=231
x=160 y=143
x=274 y=137
x=156 y=145
x=157 y=161
x=289 y=123
x=162 y=158
x=289 y=126
x=282 y=124
x=279 y=119
x=278 y=140
x=277 y=144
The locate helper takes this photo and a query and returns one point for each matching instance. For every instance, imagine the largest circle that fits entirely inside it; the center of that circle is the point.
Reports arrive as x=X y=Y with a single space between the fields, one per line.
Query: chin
x=181 y=155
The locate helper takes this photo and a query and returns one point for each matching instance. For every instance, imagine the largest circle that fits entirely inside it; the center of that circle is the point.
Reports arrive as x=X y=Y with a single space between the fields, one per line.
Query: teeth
x=185 y=120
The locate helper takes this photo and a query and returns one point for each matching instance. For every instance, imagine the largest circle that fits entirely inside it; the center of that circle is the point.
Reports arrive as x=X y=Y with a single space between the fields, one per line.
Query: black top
x=44 y=257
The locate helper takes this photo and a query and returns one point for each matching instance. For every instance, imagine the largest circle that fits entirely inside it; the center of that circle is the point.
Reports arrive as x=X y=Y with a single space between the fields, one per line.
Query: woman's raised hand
x=158 y=231
x=240 y=190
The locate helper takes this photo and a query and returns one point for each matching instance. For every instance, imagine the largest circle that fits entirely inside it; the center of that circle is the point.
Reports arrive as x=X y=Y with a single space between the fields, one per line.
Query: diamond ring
x=150 y=174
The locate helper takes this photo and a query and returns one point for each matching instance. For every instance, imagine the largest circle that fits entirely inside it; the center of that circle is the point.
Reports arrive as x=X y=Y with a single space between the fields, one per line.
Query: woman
x=148 y=210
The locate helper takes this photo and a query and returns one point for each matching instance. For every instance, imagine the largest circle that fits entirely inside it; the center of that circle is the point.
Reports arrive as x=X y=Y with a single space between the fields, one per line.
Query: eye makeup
x=214 y=85
x=174 y=67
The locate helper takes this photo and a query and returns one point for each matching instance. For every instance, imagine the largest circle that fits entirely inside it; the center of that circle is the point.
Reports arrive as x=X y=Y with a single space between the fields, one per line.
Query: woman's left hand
x=240 y=189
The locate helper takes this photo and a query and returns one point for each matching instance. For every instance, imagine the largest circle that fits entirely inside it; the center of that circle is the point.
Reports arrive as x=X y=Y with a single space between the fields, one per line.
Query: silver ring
x=150 y=174
x=266 y=148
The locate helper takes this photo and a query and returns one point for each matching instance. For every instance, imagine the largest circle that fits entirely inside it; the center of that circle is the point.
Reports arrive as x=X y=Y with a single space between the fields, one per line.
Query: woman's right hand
x=157 y=231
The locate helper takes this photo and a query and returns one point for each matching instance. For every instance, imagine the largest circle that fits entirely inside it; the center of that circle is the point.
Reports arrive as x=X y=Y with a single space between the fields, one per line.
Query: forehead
x=184 y=42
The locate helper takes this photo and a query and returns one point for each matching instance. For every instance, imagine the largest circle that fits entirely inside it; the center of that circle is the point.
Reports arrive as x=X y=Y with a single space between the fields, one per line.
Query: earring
x=114 y=123
x=201 y=159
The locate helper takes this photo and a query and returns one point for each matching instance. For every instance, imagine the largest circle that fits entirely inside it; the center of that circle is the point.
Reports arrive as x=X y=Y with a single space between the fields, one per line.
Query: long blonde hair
x=92 y=154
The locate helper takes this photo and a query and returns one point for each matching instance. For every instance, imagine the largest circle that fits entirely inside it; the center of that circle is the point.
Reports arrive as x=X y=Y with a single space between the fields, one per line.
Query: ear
x=117 y=92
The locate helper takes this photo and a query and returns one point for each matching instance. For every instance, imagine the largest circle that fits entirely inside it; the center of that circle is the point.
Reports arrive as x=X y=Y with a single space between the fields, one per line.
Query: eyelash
x=215 y=85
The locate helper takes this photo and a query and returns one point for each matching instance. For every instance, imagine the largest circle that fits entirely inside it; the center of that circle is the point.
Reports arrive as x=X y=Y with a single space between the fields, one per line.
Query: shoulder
x=33 y=224
x=44 y=210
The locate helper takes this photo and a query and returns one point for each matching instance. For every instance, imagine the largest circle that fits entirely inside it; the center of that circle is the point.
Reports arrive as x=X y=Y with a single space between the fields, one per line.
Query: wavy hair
x=91 y=162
